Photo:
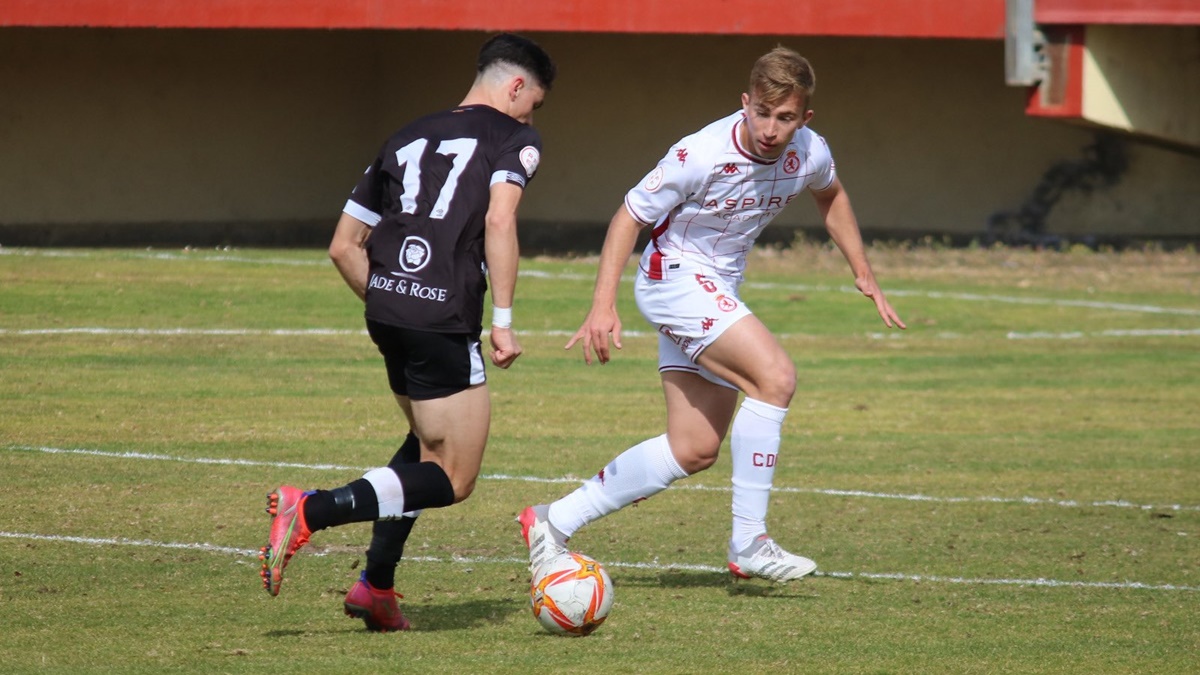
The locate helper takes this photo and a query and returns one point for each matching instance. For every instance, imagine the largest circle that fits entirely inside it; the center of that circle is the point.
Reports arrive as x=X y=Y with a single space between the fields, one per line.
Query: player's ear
x=515 y=87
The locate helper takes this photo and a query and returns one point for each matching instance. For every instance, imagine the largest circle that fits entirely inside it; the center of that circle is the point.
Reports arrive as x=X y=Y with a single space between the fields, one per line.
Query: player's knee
x=698 y=463
x=779 y=385
x=696 y=456
x=462 y=489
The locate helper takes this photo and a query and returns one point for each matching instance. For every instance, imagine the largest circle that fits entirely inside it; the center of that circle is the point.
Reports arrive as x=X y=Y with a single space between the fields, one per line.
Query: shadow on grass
x=706 y=579
x=431 y=617
x=461 y=615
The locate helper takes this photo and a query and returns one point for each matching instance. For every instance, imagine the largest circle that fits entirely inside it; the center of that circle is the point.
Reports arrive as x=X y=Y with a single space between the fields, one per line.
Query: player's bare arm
x=502 y=252
x=602 y=320
x=349 y=254
x=842 y=225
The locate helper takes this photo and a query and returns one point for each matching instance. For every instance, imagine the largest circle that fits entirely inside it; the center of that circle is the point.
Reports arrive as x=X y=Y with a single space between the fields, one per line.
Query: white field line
x=320 y=332
x=650 y=566
x=1030 y=501
x=198 y=256
x=1133 y=332
x=162 y=255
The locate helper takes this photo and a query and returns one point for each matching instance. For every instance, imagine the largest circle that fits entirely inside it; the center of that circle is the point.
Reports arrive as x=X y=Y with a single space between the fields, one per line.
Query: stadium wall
x=177 y=136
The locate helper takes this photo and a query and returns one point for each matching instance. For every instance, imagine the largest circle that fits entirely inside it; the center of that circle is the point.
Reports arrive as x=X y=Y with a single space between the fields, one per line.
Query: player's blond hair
x=780 y=74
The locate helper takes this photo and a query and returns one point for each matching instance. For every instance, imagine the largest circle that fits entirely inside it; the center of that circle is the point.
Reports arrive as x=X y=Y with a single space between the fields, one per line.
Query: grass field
x=1011 y=485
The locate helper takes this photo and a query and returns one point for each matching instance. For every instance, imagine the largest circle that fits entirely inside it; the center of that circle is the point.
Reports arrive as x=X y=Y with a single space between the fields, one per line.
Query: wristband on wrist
x=502 y=317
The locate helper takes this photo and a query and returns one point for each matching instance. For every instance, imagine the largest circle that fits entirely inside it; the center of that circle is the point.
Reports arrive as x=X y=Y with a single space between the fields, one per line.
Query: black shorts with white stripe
x=423 y=365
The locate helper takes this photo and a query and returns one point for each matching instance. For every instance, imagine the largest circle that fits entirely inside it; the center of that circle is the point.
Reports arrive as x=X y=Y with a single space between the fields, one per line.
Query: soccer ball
x=571 y=595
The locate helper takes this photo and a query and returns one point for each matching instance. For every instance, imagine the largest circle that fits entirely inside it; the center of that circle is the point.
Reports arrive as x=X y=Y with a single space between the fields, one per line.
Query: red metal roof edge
x=1127 y=12
x=977 y=19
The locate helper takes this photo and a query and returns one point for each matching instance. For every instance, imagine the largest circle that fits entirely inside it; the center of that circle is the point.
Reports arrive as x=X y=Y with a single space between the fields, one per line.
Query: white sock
x=640 y=472
x=755 y=445
x=389 y=491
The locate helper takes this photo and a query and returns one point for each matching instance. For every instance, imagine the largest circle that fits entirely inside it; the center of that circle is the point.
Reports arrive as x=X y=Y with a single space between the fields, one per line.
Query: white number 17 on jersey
x=409 y=157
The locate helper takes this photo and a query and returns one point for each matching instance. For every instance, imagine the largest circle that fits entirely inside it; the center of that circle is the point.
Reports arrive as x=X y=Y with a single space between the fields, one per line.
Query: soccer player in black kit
x=431 y=217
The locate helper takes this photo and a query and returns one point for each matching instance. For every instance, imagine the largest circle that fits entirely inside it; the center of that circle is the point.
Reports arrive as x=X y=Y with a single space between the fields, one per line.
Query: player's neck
x=484 y=96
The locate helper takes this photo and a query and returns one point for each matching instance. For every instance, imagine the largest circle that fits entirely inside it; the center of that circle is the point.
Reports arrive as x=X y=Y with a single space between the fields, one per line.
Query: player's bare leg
x=453 y=432
x=698 y=417
x=749 y=356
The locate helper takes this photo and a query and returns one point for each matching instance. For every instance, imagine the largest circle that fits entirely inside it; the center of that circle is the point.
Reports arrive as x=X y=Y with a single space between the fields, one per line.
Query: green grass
x=935 y=474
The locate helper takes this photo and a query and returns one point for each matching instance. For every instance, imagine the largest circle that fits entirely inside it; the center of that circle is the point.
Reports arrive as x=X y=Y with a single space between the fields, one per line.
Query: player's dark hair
x=520 y=52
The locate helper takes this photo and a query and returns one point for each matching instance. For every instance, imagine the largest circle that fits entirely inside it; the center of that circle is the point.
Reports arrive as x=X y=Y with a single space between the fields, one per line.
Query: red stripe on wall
x=980 y=19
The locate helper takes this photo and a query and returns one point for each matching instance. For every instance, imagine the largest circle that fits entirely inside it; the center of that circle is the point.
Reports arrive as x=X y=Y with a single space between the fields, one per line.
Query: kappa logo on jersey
x=529 y=159
x=791 y=163
x=726 y=303
x=414 y=254
x=730 y=168
x=707 y=324
x=681 y=155
x=655 y=179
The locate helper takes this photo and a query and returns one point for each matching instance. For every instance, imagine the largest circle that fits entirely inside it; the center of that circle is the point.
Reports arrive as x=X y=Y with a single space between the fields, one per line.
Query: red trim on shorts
x=655 y=271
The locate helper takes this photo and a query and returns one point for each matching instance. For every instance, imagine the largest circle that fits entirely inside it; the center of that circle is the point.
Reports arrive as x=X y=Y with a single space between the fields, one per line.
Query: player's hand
x=505 y=348
x=868 y=287
x=600 y=324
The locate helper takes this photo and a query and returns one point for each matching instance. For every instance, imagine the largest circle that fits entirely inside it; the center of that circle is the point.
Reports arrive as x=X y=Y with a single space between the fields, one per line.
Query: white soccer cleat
x=765 y=559
x=545 y=542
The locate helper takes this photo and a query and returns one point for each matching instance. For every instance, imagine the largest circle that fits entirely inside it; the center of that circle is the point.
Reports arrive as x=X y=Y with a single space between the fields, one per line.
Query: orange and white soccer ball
x=571 y=594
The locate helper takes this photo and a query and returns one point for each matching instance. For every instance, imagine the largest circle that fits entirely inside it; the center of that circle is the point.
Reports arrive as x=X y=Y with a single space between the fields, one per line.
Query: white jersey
x=709 y=198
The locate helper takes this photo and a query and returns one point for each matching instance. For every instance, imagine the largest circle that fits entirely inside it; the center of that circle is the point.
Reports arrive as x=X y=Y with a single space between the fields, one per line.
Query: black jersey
x=425 y=196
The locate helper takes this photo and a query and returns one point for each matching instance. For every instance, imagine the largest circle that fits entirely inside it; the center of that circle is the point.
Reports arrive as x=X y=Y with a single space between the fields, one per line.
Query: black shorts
x=423 y=365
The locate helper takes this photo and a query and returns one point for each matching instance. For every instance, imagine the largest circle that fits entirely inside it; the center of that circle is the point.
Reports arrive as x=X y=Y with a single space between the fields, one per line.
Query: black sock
x=387 y=547
x=354 y=502
x=389 y=536
x=409 y=452
x=426 y=486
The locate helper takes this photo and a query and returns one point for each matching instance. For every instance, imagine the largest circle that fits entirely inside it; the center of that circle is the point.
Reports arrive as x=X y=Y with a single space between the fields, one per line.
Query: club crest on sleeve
x=655 y=179
x=529 y=159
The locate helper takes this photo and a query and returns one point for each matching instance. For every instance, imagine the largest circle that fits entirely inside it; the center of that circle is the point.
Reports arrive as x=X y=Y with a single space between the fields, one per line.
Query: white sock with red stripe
x=636 y=474
x=755 y=445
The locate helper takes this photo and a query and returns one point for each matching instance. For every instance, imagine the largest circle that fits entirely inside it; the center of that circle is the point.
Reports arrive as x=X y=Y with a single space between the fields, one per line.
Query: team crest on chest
x=414 y=254
x=791 y=163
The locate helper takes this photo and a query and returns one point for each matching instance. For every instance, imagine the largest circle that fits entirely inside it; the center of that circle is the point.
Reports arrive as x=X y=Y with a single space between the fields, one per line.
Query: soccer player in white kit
x=707 y=200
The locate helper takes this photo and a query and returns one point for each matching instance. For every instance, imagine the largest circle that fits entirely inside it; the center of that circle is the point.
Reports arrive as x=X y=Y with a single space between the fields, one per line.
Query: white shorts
x=689 y=306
